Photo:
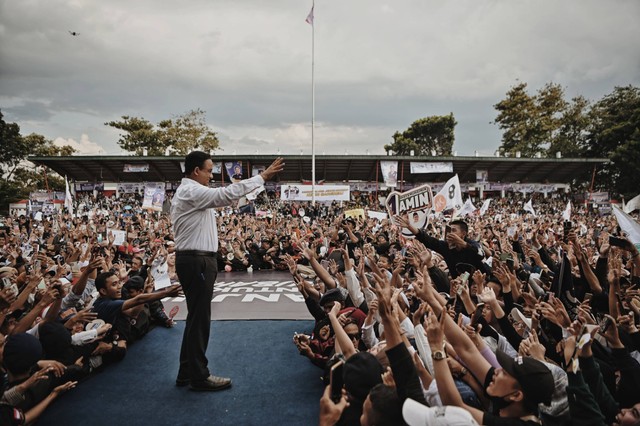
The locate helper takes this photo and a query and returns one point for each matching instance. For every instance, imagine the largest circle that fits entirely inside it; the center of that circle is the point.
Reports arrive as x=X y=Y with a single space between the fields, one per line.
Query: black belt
x=196 y=253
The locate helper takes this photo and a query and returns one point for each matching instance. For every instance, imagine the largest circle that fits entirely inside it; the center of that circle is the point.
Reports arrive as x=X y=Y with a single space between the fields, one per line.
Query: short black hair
x=101 y=279
x=462 y=225
x=386 y=405
x=195 y=159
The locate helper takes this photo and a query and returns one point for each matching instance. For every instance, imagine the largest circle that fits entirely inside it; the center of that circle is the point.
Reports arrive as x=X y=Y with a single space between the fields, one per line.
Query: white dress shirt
x=192 y=214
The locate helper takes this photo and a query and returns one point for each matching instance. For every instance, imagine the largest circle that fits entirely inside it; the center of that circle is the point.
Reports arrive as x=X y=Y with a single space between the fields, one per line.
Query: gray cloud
x=379 y=66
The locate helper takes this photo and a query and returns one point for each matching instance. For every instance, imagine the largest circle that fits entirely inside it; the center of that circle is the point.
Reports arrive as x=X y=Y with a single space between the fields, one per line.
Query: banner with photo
x=482 y=176
x=354 y=213
x=217 y=167
x=153 y=196
x=389 y=173
x=363 y=186
x=88 y=187
x=234 y=170
x=129 y=187
x=296 y=192
x=40 y=196
x=256 y=170
x=416 y=204
x=136 y=168
x=430 y=167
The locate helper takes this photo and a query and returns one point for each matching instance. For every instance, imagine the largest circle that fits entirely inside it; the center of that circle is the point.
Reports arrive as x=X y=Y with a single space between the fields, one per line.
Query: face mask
x=499 y=402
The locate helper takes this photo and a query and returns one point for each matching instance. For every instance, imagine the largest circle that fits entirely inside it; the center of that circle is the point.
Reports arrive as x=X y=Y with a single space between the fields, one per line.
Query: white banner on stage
x=430 y=167
x=296 y=192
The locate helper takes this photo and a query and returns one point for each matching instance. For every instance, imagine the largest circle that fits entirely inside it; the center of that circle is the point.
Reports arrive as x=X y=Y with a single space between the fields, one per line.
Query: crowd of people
x=504 y=318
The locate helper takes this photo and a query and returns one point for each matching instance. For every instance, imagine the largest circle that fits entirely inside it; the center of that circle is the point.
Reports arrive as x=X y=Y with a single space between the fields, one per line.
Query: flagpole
x=313 y=107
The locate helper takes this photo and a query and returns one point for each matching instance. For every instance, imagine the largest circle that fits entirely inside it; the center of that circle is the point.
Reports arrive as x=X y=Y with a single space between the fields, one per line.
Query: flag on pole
x=68 y=201
x=467 y=208
x=485 y=206
x=528 y=207
x=449 y=197
x=309 y=19
x=628 y=225
x=566 y=215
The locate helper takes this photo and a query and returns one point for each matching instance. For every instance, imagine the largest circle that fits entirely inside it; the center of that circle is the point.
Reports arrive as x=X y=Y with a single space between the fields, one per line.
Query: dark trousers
x=197 y=275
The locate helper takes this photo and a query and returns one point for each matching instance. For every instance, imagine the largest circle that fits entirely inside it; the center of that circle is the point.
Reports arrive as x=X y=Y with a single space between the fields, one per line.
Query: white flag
x=628 y=225
x=309 y=19
x=485 y=206
x=68 y=201
x=449 y=197
x=467 y=208
x=528 y=207
x=633 y=204
x=566 y=215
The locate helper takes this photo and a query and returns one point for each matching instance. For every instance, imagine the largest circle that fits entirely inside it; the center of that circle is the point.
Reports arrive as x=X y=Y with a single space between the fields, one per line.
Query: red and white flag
x=309 y=19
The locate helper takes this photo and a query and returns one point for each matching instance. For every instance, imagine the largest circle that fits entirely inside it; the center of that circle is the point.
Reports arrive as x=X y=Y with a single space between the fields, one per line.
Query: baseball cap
x=535 y=378
x=518 y=316
x=135 y=283
x=416 y=414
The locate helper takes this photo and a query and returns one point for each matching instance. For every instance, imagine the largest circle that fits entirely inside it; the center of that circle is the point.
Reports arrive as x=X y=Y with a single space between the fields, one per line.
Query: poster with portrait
x=234 y=170
x=153 y=196
x=389 y=173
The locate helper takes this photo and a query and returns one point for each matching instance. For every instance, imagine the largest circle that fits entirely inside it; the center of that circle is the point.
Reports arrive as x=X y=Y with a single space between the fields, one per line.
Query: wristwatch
x=438 y=355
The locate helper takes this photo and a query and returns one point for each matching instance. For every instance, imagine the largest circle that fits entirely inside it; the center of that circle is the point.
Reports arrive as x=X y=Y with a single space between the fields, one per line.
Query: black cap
x=135 y=283
x=21 y=352
x=535 y=378
x=362 y=371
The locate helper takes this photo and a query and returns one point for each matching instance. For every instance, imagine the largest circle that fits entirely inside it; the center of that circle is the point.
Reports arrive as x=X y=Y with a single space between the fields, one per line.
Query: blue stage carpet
x=272 y=383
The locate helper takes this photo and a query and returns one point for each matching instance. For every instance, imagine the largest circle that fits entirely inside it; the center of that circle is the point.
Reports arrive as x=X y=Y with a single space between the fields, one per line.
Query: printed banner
x=136 y=168
x=323 y=193
x=422 y=167
x=256 y=170
x=482 y=176
x=88 y=187
x=355 y=213
x=153 y=196
x=234 y=170
x=416 y=204
x=389 y=173
x=217 y=167
x=377 y=215
x=129 y=187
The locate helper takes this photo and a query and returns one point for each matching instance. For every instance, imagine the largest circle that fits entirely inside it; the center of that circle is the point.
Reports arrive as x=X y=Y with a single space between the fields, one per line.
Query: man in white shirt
x=196 y=243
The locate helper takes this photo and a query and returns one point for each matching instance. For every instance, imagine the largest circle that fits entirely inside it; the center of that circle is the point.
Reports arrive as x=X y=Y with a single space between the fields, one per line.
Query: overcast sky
x=379 y=66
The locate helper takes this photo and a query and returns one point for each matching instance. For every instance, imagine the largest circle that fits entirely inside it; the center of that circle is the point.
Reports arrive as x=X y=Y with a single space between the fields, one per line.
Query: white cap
x=416 y=414
x=519 y=317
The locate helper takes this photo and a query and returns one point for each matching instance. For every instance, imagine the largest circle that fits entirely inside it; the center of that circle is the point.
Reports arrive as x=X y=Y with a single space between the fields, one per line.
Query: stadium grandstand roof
x=330 y=168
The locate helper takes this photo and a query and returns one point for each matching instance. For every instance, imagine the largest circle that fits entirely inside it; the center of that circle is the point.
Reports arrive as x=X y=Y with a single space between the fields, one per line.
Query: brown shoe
x=211 y=383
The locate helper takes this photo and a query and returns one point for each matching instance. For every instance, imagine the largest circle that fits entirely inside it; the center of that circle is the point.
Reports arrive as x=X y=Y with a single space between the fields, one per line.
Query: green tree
x=19 y=176
x=614 y=133
x=571 y=136
x=434 y=133
x=179 y=135
x=532 y=124
x=14 y=149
